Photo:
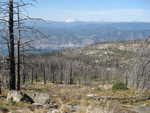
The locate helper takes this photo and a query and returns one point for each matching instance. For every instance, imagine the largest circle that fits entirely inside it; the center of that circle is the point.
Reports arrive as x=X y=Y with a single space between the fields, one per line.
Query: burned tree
x=13 y=22
x=12 y=46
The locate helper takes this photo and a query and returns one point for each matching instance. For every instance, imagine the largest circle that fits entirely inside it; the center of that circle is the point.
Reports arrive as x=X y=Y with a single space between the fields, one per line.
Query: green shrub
x=98 y=89
x=11 y=102
x=119 y=86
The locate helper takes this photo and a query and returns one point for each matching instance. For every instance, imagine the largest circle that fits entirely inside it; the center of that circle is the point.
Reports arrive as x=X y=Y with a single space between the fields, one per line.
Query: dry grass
x=63 y=95
x=13 y=106
x=77 y=94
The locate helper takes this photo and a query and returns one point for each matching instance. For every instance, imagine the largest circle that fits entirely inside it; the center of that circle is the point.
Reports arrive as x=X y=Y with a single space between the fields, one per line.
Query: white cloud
x=69 y=20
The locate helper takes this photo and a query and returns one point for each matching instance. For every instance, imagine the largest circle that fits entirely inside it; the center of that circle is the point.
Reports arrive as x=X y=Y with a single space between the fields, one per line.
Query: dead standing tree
x=13 y=24
x=11 y=40
x=12 y=46
x=18 y=49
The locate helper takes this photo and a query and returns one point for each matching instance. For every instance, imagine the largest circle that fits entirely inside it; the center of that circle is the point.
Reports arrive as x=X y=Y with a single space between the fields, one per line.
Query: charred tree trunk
x=12 y=48
x=0 y=87
x=126 y=80
x=24 y=76
x=53 y=73
x=18 y=50
x=32 y=75
x=61 y=75
x=36 y=77
x=44 y=74
x=71 y=75
x=23 y=71
x=18 y=67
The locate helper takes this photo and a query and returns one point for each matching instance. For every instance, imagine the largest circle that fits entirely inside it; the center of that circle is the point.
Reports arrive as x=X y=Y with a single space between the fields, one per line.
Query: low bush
x=119 y=86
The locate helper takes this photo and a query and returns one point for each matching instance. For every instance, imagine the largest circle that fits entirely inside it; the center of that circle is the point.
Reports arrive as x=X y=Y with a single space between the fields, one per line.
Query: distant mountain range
x=79 y=34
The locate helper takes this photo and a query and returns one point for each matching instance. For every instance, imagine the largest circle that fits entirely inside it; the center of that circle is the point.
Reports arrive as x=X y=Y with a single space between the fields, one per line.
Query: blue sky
x=92 y=10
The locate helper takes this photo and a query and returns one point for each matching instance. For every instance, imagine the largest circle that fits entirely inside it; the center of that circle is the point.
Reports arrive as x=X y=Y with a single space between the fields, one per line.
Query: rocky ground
x=52 y=98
